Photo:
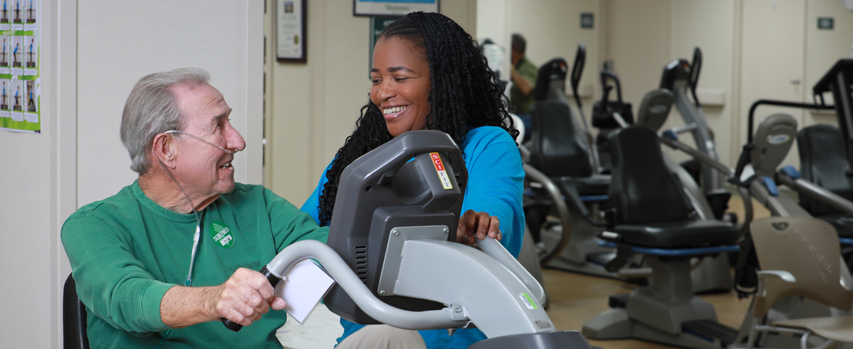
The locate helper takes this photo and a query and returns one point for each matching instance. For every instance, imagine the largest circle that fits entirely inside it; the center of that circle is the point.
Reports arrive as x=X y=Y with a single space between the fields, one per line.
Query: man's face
x=516 y=56
x=205 y=170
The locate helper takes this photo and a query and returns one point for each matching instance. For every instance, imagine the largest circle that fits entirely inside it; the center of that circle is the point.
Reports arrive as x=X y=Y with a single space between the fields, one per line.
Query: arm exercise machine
x=391 y=251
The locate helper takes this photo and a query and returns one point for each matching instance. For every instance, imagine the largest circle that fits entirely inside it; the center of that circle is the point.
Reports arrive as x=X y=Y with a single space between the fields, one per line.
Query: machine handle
x=695 y=68
x=577 y=71
x=494 y=248
x=233 y=326
x=274 y=280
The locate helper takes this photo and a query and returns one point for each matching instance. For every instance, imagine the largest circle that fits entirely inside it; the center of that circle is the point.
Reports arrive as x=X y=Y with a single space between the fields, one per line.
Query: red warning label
x=442 y=173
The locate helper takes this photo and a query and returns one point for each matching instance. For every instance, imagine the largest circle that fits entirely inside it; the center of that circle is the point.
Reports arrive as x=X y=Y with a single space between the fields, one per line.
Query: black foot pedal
x=711 y=329
x=618 y=300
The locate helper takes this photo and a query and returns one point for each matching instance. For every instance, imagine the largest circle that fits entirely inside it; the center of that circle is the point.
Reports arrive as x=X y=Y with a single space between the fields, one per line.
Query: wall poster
x=291 y=24
x=392 y=7
x=20 y=82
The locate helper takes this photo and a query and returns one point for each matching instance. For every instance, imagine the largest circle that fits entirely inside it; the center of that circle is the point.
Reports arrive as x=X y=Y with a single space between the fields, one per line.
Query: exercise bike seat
x=586 y=186
x=675 y=235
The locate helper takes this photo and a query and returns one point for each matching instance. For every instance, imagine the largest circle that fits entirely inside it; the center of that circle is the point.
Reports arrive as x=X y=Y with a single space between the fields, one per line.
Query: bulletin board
x=20 y=48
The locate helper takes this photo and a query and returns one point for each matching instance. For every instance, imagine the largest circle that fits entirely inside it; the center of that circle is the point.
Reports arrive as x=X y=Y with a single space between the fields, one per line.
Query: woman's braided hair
x=464 y=94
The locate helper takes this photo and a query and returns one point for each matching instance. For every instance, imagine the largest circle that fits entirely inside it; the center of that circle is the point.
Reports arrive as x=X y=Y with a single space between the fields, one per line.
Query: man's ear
x=163 y=149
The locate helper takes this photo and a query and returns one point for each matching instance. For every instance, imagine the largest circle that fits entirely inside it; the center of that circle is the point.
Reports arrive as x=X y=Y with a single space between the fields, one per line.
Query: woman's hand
x=477 y=224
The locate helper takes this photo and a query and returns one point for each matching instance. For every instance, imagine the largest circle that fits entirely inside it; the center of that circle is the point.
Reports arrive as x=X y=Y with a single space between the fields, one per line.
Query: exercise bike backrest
x=654 y=108
x=551 y=81
x=771 y=143
x=603 y=111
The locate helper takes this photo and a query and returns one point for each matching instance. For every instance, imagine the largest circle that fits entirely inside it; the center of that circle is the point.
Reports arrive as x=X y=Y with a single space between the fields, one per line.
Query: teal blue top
x=495 y=186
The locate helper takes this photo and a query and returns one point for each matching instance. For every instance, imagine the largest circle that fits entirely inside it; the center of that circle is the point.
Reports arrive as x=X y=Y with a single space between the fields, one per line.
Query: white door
x=772 y=63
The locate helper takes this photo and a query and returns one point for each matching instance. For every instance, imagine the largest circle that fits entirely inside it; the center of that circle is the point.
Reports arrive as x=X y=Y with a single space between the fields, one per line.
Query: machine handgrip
x=233 y=326
x=274 y=280
x=494 y=248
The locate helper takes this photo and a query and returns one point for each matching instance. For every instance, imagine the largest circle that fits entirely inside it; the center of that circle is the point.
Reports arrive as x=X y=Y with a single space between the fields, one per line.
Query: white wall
x=312 y=107
x=642 y=37
x=34 y=198
x=119 y=42
x=709 y=25
x=47 y=176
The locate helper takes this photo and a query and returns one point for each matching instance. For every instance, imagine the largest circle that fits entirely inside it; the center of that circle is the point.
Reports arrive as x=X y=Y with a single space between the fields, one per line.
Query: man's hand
x=243 y=299
x=477 y=224
x=524 y=85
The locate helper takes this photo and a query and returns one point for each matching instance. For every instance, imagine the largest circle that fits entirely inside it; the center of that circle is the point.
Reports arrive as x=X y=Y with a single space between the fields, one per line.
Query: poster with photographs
x=20 y=48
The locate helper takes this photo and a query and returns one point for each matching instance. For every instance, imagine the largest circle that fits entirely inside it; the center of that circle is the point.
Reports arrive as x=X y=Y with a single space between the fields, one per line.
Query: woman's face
x=400 y=84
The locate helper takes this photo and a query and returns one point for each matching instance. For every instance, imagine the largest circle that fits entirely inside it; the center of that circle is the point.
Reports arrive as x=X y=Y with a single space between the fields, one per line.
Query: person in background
x=163 y=260
x=428 y=73
x=523 y=74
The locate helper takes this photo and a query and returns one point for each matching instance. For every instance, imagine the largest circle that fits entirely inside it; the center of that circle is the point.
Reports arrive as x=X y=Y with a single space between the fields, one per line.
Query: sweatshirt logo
x=222 y=234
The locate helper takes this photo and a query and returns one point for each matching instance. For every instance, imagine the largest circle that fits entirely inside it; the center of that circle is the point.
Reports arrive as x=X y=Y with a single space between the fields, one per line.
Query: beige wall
x=642 y=37
x=552 y=29
x=311 y=108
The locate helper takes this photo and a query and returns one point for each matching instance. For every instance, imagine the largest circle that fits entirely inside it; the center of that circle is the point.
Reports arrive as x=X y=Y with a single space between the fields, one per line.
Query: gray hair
x=152 y=109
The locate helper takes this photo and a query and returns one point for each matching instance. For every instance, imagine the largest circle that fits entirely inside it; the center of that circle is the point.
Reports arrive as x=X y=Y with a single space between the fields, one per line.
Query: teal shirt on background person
x=495 y=186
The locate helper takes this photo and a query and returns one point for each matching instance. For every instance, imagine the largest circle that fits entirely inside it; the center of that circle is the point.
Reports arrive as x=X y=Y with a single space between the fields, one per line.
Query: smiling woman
x=428 y=73
x=401 y=85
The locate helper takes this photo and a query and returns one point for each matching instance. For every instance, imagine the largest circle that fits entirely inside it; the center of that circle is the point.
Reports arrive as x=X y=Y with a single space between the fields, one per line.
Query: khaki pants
x=382 y=337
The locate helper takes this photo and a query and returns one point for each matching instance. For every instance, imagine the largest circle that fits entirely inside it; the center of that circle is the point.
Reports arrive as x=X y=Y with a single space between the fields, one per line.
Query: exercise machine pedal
x=600 y=258
x=711 y=329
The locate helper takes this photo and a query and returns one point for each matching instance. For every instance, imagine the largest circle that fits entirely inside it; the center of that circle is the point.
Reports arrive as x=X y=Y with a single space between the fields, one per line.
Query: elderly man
x=169 y=255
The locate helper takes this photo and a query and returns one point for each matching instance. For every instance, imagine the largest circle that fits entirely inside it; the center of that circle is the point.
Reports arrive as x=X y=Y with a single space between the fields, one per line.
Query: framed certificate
x=290 y=24
x=391 y=8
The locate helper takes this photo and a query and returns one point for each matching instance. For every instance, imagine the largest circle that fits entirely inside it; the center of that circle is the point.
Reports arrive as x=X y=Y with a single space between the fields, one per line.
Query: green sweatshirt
x=127 y=251
x=522 y=103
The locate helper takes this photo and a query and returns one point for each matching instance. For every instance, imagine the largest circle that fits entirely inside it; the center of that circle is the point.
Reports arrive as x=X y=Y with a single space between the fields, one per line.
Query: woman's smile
x=400 y=85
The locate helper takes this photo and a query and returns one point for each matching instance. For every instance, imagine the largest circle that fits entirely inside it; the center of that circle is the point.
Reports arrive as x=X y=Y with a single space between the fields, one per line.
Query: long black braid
x=464 y=94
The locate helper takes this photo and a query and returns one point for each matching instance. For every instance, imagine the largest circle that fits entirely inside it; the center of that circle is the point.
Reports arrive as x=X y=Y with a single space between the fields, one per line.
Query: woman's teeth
x=226 y=165
x=393 y=110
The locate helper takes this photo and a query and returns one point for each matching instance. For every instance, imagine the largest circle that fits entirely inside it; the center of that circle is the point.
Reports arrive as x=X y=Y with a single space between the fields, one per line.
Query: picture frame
x=291 y=30
x=392 y=8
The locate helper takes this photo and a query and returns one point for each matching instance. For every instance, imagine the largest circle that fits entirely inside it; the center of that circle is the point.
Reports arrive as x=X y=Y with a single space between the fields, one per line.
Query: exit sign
x=825 y=23
x=587 y=20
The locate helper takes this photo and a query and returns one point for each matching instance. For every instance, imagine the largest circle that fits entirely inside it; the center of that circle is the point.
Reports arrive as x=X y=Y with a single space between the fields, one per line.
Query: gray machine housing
x=393 y=192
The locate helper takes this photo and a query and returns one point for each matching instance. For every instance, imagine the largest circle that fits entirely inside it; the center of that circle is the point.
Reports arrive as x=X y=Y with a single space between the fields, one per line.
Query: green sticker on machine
x=527 y=300
x=222 y=234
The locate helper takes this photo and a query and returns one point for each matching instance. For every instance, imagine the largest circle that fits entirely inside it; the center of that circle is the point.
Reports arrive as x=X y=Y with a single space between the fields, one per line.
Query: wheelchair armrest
x=782 y=274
